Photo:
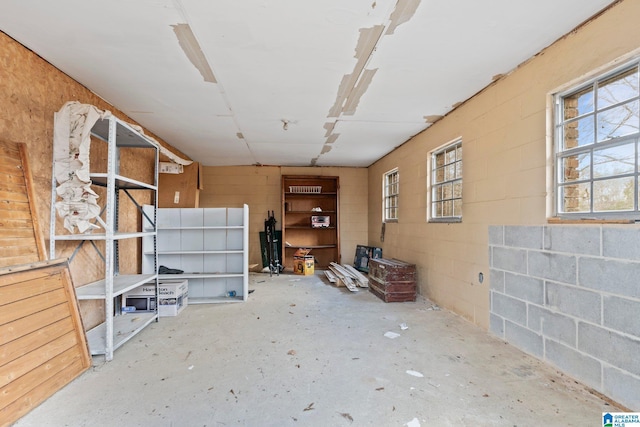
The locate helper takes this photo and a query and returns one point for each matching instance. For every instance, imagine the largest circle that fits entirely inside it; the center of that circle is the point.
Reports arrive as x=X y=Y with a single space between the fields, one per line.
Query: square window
x=597 y=129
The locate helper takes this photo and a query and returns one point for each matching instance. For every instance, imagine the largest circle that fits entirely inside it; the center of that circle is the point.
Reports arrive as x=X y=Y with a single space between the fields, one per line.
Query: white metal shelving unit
x=210 y=246
x=116 y=329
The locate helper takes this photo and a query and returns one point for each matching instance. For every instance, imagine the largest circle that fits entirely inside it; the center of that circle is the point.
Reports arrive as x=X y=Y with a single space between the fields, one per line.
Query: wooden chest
x=392 y=280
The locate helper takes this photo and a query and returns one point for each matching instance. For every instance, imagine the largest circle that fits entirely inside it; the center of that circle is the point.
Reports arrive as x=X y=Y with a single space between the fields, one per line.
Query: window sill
x=558 y=220
x=445 y=220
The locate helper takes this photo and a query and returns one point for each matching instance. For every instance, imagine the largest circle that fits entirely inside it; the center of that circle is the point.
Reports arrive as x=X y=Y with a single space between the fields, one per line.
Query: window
x=596 y=147
x=446 y=183
x=391 y=190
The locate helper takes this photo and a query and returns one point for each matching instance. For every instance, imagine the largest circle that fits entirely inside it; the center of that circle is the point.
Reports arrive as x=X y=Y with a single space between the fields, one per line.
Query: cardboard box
x=181 y=190
x=173 y=297
x=303 y=263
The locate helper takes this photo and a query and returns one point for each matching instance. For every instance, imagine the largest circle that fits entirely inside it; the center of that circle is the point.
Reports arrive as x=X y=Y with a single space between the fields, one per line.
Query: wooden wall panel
x=42 y=342
x=21 y=240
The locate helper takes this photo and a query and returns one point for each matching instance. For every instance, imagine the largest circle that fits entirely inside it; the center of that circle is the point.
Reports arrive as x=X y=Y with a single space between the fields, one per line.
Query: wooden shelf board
x=307 y=227
x=311 y=246
x=309 y=194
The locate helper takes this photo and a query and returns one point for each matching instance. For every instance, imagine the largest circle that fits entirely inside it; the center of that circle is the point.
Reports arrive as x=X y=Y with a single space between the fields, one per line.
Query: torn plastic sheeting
x=391 y=335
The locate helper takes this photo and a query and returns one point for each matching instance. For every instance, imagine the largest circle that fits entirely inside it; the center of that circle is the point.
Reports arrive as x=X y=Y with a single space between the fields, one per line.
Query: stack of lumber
x=346 y=275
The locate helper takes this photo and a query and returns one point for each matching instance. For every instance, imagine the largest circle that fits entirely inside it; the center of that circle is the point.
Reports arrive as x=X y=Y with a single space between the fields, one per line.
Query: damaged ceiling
x=288 y=82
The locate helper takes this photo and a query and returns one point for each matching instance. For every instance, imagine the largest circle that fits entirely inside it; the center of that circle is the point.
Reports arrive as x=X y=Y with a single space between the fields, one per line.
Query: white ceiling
x=284 y=60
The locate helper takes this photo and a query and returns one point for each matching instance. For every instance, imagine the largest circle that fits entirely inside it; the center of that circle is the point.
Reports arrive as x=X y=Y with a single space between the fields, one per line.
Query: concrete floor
x=301 y=352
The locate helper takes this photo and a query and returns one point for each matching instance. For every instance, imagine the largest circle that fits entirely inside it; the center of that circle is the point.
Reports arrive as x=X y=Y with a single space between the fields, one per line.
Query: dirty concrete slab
x=301 y=352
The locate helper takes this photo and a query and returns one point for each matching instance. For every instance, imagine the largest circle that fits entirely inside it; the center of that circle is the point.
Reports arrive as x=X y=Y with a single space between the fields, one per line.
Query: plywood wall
x=31 y=91
x=504 y=132
x=260 y=188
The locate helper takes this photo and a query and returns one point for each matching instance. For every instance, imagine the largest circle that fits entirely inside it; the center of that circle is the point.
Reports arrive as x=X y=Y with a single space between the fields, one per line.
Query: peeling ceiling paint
x=354 y=79
x=191 y=48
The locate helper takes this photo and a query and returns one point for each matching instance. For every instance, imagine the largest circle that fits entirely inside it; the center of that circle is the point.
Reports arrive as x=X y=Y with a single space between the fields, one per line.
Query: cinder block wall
x=570 y=295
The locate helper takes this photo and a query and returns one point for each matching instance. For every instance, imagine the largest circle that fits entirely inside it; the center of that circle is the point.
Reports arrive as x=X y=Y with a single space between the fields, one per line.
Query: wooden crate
x=392 y=280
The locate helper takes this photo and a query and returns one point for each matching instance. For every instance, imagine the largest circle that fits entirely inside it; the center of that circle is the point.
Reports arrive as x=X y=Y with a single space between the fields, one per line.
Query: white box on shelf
x=173 y=298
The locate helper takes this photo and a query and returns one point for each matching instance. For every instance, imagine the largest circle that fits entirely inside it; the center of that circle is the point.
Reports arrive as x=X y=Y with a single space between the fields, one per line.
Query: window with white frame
x=596 y=147
x=446 y=183
x=391 y=190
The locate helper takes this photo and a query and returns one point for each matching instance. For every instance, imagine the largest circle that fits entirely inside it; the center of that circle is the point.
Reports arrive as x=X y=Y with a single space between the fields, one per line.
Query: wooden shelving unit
x=301 y=194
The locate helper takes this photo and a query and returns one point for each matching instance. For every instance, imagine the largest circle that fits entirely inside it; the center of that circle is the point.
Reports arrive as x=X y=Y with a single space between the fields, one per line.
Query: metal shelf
x=125 y=327
x=197 y=276
x=203 y=252
x=121 y=182
x=103 y=236
x=116 y=330
x=215 y=258
x=205 y=227
x=121 y=284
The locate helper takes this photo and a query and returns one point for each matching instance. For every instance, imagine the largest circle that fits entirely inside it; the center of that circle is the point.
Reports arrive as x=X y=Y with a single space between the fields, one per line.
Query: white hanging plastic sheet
x=71 y=147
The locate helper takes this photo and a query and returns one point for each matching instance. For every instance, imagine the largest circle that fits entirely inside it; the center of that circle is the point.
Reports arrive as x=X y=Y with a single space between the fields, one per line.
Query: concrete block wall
x=570 y=295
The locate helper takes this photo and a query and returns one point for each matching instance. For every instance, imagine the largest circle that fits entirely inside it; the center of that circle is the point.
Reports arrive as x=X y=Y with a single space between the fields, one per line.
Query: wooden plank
x=26 y=325
x=30 y=342
x=37 y=231
x=74 y=310
x=9 y=233
x=36 y=396
x=28 y=290
x=13 y=196
x=23 y=308
x=35 y=330
x=19 y=242
x=345 y=279
x=11 y=165
x=28 y=391
x=18 y=217
x=10 y=178
x=16 y=223
x=29 y=272
x=30 y=361
x=24 y=259
x=12 y=183
x=14 y=210
x=360 y=278
x=9 y=151
x=19 y=250
x=331 y=276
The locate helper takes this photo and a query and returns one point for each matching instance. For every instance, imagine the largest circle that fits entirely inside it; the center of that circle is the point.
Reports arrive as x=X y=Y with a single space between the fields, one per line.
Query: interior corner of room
x=206 y=173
